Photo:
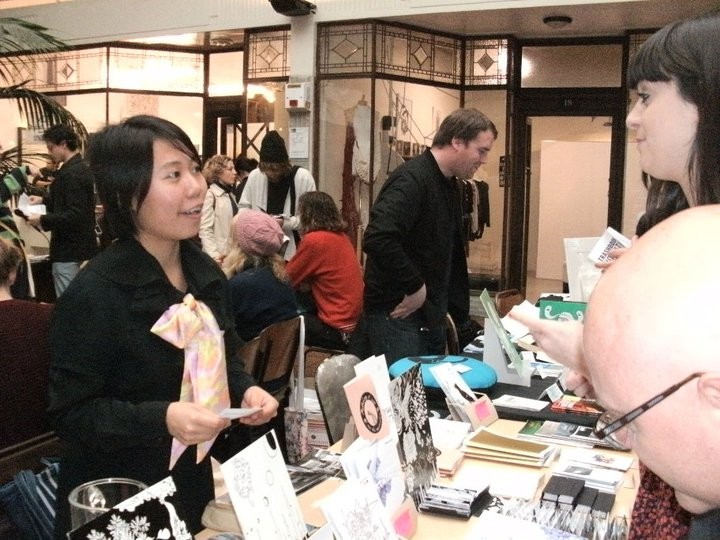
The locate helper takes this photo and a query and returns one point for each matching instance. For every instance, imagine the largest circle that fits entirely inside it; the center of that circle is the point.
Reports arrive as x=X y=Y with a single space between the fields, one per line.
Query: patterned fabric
x=656 y=513
x=191 y=326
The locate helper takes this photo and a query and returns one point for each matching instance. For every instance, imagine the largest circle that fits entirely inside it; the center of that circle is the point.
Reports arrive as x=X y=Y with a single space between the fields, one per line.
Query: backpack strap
x=293 y=189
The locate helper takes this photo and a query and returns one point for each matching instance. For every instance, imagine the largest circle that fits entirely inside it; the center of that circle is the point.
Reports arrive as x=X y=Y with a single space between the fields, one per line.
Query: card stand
x=495 y=356
x=349 y=434
x=480 y=412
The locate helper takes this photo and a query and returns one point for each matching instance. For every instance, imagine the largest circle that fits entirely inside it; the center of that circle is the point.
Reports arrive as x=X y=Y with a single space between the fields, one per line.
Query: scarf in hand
x=192 y=326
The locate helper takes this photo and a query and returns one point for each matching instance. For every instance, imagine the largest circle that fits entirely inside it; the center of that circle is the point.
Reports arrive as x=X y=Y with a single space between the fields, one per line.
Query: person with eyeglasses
x=650 y=342
x=677 y=77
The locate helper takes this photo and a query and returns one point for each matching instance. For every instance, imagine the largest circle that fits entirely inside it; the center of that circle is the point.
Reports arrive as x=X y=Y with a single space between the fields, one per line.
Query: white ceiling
x=600 y=19
x=594 y=18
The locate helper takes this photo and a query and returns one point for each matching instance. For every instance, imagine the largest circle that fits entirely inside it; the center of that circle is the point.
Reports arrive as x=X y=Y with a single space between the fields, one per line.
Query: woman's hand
x=561 y=340
x=614 y=255
x=578 y=384
x=257 y=397
x=191 y=423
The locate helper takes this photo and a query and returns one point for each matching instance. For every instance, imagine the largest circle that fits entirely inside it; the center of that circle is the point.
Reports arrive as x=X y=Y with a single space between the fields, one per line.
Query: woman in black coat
x=115 y=386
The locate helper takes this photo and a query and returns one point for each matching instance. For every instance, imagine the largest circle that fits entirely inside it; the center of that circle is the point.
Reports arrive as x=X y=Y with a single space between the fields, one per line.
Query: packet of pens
x=579 y=521
x=451 y=501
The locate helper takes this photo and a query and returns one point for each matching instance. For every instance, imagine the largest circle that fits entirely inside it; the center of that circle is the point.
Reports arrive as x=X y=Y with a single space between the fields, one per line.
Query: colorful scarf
x=192 y=326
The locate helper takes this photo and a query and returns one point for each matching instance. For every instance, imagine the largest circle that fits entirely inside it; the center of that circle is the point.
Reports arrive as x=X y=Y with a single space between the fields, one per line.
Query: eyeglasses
x=608 y=424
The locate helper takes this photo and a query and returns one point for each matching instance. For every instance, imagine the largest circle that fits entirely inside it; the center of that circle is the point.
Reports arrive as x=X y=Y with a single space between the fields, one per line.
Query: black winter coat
x=112 y=380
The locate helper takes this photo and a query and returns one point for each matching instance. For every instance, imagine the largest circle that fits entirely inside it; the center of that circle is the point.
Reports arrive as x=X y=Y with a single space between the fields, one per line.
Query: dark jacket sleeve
x=67 y=208
x=392 y=219
x=95 y=385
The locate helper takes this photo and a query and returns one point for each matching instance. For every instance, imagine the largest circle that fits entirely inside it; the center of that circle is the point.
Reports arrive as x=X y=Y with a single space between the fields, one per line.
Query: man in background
x=275 y=187
x=414 y=245
x=70 y=203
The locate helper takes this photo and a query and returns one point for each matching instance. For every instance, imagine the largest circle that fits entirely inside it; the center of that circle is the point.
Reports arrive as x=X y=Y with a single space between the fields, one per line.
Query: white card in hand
x=231 y=414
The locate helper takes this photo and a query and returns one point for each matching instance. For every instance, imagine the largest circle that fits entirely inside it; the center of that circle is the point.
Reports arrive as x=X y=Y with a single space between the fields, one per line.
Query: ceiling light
x=557 y=21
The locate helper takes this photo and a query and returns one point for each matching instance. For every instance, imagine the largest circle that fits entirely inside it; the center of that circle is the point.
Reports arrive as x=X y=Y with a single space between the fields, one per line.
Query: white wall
x=573 y=199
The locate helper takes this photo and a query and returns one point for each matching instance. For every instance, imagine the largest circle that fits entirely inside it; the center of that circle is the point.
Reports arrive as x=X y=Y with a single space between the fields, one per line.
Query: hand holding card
x=233 y=413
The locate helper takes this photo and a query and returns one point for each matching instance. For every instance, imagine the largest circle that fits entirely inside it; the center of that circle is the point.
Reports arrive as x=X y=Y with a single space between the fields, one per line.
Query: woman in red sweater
x=326 y=264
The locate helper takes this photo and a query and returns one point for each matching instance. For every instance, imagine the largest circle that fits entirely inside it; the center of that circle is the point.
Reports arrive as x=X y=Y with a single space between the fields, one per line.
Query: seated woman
x=326 y=263
x=25 y=356
x=259 y=290
x=219 y=206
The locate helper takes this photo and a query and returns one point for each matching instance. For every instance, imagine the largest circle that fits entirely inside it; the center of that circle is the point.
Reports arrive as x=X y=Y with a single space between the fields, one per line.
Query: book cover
x=560 y=432
x=577 y=405
x=560 y=310
x=370 y=419
x=597 y=458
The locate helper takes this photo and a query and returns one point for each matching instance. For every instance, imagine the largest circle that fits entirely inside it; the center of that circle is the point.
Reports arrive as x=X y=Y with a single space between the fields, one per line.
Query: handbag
x=29 y=501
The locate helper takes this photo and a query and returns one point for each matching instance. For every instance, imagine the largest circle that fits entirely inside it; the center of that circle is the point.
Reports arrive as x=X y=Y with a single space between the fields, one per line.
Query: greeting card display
x=262 y=493
x=371 y=420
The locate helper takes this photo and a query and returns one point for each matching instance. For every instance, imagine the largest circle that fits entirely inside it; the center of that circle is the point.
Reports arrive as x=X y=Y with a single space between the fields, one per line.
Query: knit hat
x=257 y=233
x=272 y=149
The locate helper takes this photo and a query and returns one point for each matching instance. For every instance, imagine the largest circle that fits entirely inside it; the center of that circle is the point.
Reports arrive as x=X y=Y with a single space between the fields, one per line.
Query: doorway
x=569 y=170
x=560 y=112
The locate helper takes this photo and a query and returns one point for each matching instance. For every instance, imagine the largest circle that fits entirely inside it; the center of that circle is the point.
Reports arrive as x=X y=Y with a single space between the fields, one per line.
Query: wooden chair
x=25 y=436
x=314 y=357
x=331 y=375
x=271 y=356
x=506 y=299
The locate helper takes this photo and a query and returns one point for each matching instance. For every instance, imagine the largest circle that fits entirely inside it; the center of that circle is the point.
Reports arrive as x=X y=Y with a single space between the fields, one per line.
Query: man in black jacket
x=70 y=208
x=414 y=243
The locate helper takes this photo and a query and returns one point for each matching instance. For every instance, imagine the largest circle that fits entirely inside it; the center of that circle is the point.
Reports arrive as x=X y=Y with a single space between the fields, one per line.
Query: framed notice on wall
x=503 y=170
x=299 y=143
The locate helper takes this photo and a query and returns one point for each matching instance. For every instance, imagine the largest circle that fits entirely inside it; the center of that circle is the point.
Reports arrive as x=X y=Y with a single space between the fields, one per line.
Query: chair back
x=506 y=299
x=331 y=375
x=271 y=356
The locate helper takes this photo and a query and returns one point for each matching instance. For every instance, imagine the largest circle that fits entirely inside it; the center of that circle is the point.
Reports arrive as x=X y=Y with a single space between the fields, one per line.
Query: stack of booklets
x=574 y=493
x=595 y=477
x=599 y=470
x=485 y=444
x=449 y=461
x=560 y=433
x=315 y=467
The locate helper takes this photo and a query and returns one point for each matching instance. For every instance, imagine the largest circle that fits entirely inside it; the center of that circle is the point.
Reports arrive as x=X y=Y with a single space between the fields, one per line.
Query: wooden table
x=432 y=527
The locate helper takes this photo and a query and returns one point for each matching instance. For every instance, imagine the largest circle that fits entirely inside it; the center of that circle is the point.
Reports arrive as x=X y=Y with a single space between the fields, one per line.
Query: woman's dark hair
x=688 y=52
x=664 y=199
x=318 y=212
x=121 y=159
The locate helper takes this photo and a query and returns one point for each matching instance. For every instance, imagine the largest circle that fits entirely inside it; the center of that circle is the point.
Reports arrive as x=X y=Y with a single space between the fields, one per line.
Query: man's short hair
x=464 y=124
x=61 y=132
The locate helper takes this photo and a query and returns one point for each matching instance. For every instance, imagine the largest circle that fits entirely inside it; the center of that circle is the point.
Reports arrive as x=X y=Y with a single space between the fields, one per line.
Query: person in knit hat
x=260 y=291
x=275 y=186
